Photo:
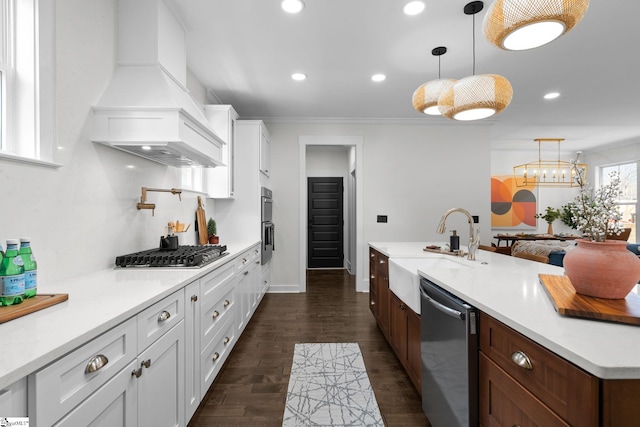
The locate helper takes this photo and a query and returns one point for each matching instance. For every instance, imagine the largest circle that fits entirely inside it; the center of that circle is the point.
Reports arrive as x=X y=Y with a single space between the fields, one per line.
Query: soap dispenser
x=454 y=241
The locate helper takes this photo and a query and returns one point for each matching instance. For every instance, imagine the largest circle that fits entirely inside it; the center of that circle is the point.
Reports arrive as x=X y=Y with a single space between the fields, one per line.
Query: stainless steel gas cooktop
x=183 y=257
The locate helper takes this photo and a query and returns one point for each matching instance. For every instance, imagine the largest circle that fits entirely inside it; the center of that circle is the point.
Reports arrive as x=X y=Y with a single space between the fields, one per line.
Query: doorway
x=354 y=248
x=325 y=222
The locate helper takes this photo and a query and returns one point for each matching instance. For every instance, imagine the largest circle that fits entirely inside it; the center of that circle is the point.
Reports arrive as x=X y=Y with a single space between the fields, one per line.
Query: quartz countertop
x=97 y=302
x=508 y=289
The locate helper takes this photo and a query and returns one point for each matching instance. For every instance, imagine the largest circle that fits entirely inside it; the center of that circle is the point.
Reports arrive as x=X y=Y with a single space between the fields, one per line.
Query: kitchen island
x=115 y=300
x=508 y=290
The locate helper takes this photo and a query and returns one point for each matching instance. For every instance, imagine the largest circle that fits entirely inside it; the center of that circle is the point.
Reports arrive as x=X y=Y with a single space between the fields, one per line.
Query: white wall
x=412 y=173
x=82 y=215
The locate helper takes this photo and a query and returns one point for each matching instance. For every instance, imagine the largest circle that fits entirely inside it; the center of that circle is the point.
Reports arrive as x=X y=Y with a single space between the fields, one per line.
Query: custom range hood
x=146 y=110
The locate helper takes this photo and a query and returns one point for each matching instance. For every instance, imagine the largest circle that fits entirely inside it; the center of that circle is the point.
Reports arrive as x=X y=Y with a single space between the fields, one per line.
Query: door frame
x=347 y=141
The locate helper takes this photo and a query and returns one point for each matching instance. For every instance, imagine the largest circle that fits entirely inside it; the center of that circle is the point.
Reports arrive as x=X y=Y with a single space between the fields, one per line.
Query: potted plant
x=212 y=231
x=550 y=214
x=599 y=267
x=566 y=217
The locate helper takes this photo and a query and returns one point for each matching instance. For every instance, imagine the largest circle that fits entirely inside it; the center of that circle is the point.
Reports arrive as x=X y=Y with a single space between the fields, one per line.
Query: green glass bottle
x=11 y=275
x=30 y=267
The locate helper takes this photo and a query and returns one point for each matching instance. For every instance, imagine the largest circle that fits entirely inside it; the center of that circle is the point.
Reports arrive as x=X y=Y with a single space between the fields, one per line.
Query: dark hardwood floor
x=251 y=388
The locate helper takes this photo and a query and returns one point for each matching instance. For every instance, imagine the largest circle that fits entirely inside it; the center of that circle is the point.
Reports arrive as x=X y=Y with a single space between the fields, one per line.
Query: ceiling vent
x=146 y=110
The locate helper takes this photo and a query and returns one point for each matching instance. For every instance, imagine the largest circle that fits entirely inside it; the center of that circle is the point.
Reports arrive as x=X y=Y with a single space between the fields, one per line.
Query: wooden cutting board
x=569 y=303
x=30 y=305
x=202 y=223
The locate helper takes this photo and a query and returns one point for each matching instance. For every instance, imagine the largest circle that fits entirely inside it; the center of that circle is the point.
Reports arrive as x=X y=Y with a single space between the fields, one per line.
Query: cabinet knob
x=244 y=260
x=373 y=277
x=246 y=273
x=227 y=302
x=372 y=255
x=194 y=298
x=146 y=363
x=373 y=303
x=522 y=360
x=216 y=314
x=226 y=340
x=164 y=316
x=216 y=356
x=381 y=261
x=136 y=372
x=96 y=363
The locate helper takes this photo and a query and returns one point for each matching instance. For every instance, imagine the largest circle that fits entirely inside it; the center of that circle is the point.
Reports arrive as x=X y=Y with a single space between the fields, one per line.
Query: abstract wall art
x=512 y=206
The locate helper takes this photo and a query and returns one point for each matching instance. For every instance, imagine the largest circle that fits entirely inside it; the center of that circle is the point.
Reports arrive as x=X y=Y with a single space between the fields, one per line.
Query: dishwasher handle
x=443 y=308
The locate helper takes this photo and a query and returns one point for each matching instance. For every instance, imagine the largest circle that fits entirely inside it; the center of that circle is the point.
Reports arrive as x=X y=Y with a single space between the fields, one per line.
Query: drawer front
x=214 y=355
x=247 y=258
x=373 y=256
x=217 y=314
x=61 y=386
x=210 y=284
x=565 y=388
x=504 y=402
x=156 y=320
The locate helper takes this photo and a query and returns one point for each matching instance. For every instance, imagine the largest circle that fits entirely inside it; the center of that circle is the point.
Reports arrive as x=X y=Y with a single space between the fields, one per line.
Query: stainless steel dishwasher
x=449 y=347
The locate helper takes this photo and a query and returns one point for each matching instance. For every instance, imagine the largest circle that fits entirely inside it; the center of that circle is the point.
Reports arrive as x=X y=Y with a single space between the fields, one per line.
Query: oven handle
x=273 y=237
x=443 y=308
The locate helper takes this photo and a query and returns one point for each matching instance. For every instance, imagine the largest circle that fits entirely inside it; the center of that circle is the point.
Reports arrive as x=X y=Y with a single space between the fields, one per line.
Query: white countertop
x=97 y=302
x=508 y=289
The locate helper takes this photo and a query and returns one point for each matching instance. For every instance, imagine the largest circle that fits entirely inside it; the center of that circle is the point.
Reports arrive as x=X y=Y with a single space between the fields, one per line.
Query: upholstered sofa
x=555 y=251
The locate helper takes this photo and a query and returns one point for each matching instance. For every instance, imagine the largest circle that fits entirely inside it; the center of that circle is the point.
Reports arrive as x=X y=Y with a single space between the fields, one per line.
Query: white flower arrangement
x=595 y=212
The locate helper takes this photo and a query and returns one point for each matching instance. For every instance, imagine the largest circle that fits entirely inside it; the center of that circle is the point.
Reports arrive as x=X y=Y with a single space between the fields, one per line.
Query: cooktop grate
x=184 y=257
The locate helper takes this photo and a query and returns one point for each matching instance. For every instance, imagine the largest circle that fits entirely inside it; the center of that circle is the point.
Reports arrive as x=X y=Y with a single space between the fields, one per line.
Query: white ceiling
x=244 y=52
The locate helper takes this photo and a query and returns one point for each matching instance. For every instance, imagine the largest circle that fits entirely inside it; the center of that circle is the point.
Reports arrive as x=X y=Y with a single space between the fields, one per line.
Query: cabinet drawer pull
x=373 y=277
x=246 y=273
x=146 y=363
x=522 y=360
x=227 y=302
x=257 y=262
x=373 y=303
x=194 y=298
x=96 y=363
x=164 y=316
x=381 y=261
x=216 y=314
x=244 y=260
x=372 y=255
x=216 y=356
x=136 y=372
x=226 y=340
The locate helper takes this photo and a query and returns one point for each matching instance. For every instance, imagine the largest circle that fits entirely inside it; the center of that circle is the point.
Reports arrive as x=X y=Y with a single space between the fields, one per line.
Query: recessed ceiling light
x=298 y=76
x=146 y=147
x=413 y=8
x=552 y=95
x=378 y=77
x=292 y=6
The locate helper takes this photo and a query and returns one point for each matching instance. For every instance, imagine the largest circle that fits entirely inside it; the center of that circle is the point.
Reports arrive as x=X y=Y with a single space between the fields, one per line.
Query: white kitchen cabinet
x=114 y=405
x=265 y=150
x=219 y=181
x=248 y=267
x=217 y=351
x=60 y=387
x=192 y=349
x=161 y=382
x=265 y=279
x=13 y=399
x=240 y=218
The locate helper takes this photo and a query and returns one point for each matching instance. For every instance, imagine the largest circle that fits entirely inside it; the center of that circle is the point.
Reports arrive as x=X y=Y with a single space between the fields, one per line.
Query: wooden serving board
x=30 y=305
x=201 y=217
x=438 y=251
x=569 y=303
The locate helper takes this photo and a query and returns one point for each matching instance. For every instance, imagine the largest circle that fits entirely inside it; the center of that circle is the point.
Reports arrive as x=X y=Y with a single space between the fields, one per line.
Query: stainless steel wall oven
x=268 y=229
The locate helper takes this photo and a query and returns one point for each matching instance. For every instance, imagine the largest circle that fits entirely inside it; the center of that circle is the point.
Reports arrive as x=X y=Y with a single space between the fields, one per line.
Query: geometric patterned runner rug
x=329 y=386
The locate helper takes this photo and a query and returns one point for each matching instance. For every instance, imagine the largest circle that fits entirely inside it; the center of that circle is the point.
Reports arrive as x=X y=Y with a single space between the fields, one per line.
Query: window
x=628 y=201
x=27 y=105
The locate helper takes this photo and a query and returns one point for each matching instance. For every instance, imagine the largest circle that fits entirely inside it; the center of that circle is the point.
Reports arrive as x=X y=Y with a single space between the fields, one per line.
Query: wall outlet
x=475 y=219
x=382 y=218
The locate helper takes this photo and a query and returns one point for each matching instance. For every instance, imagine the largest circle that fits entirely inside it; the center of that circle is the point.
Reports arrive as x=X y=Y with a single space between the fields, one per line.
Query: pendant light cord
x=474 y=44
x=439 y=67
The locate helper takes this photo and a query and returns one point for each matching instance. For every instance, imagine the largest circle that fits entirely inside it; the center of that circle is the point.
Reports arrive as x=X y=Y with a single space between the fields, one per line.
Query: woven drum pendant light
x=478 y=96
x=425 y=98
x=526 y=24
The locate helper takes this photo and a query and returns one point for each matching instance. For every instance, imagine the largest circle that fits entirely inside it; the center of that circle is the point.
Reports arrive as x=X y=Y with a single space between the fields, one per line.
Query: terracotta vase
x=214 y=240
x=550 y=229
x=602 y=269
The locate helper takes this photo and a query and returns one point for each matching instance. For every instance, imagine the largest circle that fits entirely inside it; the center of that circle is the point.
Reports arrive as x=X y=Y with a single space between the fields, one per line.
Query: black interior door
x=325 y=223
